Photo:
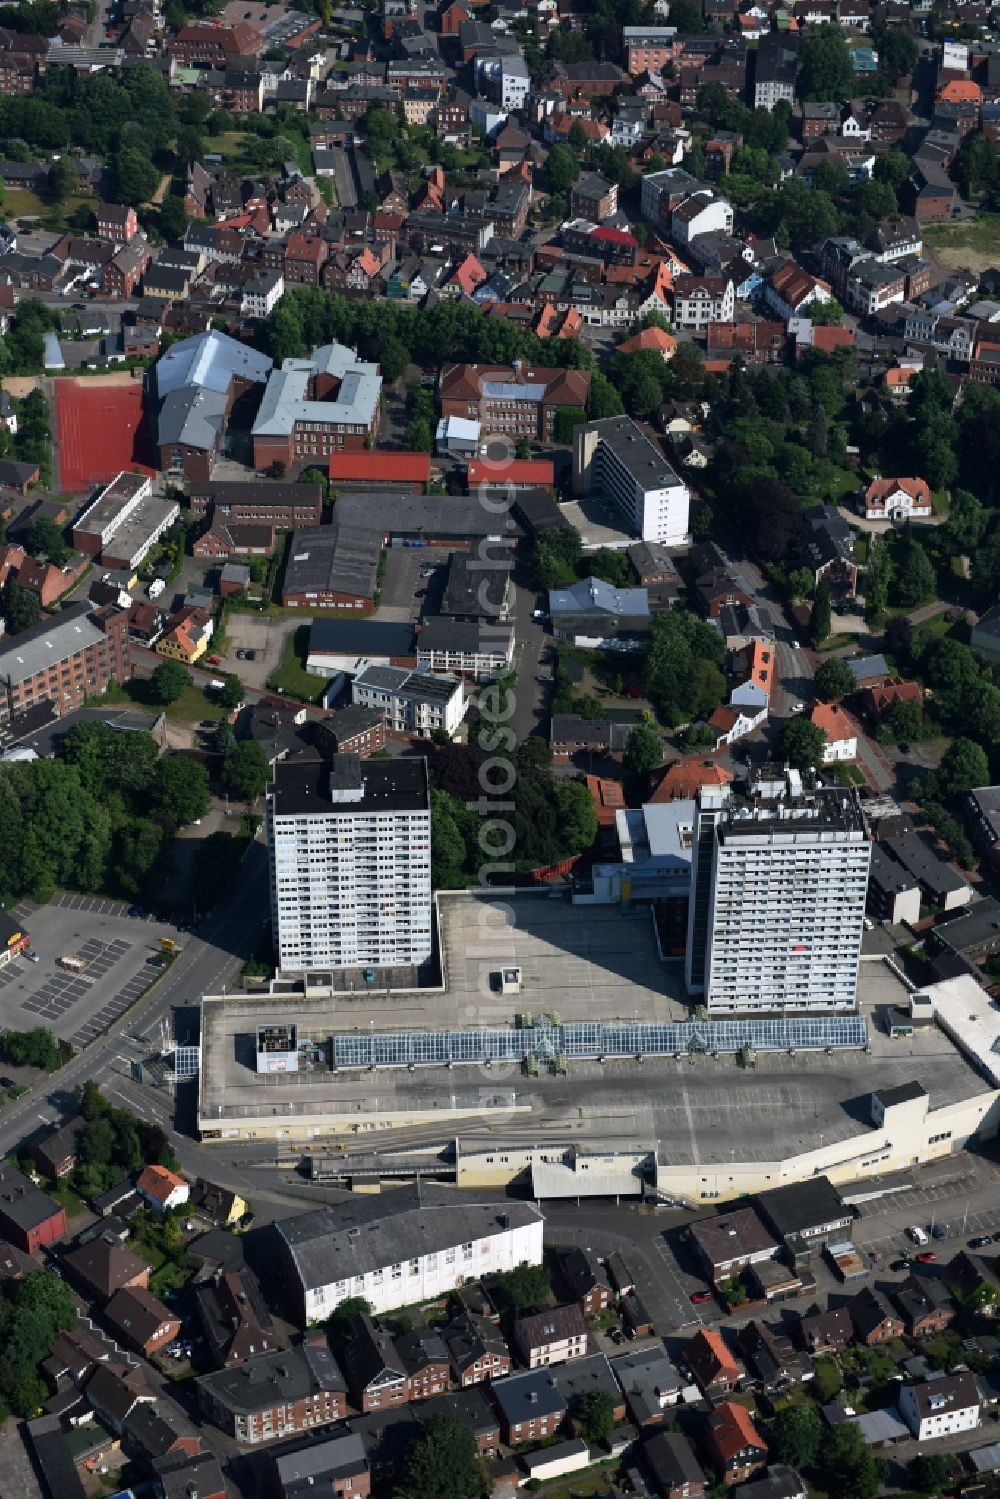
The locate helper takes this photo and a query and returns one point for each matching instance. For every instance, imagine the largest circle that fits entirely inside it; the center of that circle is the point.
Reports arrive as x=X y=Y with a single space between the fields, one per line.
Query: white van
x=156 y=588
x=916 y=1233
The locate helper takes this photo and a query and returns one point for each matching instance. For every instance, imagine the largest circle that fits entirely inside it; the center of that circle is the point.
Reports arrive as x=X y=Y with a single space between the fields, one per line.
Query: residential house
x=162 y=1189
x=551 y=1336
x=734 y=1444
x=712 y=1365
x=589 y=1376
x=141 y=1320
x=840 y=729
x=779 y=1482
x=101 y=1268
x=424 y=1358
x=275 y=1395
x=806 y=1215
x=896 y=500
x=587 y=1281
x=728 y=1243
x=235 y=1320
x=673 y=1466
x=530 y=1406
x=650 y=1384
x=826 y=1332
x=982 y=813
x=924 y=1305
x=375 y=1374
x=702 y=300
x=476 y=1348
x=941 y=1406
x=770 y=1357
x=873 y=1318
x=55 y=1154
x=336 y=1466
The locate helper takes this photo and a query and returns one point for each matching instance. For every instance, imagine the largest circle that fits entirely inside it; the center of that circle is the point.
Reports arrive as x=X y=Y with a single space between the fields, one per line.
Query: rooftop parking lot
x=122 y=955
x=586 y=963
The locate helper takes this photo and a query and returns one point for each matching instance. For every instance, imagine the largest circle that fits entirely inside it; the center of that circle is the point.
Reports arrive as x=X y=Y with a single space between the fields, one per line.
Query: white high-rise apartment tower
x=350 y=859
x=778 y=883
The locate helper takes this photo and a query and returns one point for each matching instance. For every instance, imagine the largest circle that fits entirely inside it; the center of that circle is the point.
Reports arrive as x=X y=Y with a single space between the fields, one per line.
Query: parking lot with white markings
x=119 y=955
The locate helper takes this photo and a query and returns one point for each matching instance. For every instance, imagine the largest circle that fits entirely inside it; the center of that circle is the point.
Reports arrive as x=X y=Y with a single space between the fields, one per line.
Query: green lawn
x=291 y=676
x=939 y=501
x=19 y=202
x=836 y=643
x=192 y=705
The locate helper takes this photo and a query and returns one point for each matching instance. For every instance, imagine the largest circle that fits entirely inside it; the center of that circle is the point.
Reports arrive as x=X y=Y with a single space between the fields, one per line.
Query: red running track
x=102 y=430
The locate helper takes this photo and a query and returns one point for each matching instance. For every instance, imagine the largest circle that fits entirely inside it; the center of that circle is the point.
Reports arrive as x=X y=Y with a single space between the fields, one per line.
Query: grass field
x=970 y=246
x=18 y=203
x=291 y=676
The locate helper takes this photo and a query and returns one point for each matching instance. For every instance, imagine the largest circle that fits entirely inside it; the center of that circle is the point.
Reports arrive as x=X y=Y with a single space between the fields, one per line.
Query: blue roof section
x=210 y=360
x=594 y=595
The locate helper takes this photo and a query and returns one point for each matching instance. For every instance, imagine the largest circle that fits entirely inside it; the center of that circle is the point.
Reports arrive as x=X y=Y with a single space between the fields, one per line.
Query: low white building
x=457 y=437
x=412 y=702
x=702 y=213
x=399 y=1248
x=941 y=1407
x=482 y=650
x=840 y=729
x=262 y=293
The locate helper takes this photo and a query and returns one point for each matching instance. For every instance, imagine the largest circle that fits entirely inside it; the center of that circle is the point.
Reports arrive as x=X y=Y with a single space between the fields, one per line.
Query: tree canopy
x=801 y=743
x=442 y=1463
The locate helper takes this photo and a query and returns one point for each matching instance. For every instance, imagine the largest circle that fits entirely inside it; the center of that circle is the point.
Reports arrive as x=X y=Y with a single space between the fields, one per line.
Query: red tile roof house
x=734 y=1444
x=405 y=471
x=896 y=499
x=29 y=1217
x=141 y=1320
x=715 y=1370
x=163 y=1189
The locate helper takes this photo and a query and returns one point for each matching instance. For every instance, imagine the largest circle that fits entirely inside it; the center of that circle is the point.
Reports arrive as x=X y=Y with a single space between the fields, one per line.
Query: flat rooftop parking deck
x=587 y=964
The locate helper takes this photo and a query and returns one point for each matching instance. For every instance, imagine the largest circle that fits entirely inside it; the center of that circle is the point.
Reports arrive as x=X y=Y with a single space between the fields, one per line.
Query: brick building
x=510 y=399
x=277 y=1395
x=64 y=659
x=211 y=45
x=29 y=1217
x=283 y=505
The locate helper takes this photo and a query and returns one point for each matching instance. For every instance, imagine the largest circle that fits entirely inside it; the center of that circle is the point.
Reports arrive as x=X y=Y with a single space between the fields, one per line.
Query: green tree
x=418 y=436
x=834 y=680
x=34 y=1048
x=169 y=681
x=577 y=817
x=963 y=530
x=643 y=751
x=822 y=613
x=179 y=792
x=825 y=70
x=932 y=1472
x=216 y=867
x=915 y=580
x=561 y=169
x=963 y=766
x=46 y=542
x=231 y=693
x=801 y=743
x=62 y=180
x=526 y=1289
x=20 y=607
x=341 y=1321
x=577 y=139
x=603 y=400
x=903 y=723
x=795 y=1434
x=245 y=771
x=847 y=1465
x=134 y=177
x=878 y=577
x=593 y=1414
x=442 y=1463
x=173 y=216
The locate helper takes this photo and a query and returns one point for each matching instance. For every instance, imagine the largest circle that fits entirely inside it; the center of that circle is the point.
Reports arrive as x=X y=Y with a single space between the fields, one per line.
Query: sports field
x=102 y=430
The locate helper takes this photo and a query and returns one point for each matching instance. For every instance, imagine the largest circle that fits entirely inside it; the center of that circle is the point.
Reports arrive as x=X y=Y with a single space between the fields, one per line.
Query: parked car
x=7 y=1082
x=926 y=1258
x=981 y=1241
x=215 y=660
x=32 y=955
x=898 y=1265
x=916 y=1233
x=700 y=1297
x=797 y=707
x=795 y=645
x=939 y=1231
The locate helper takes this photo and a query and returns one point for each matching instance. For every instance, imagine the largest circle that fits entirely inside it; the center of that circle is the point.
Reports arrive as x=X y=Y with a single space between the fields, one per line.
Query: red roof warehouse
x=29 y=1217
x=410 y=469
x=522 y=473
